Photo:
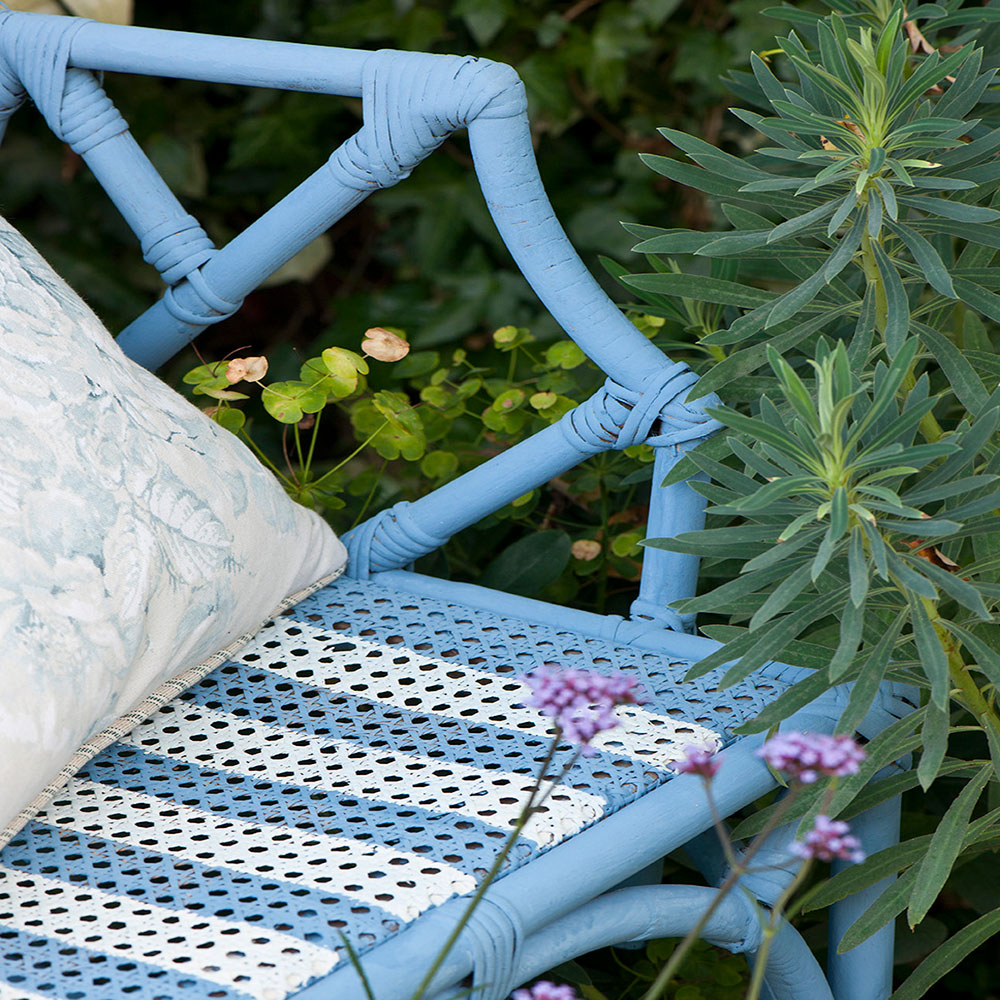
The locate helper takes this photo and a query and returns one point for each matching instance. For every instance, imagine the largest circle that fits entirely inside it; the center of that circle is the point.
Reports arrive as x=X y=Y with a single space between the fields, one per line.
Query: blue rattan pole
x=865 y=972
x=236 y=269
x=668 y=576
x=249 y=62
x=665 y=911
x=508 y=175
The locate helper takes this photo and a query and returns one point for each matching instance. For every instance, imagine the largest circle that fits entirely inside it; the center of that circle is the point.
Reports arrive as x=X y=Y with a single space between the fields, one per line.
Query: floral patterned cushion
x=138 y=540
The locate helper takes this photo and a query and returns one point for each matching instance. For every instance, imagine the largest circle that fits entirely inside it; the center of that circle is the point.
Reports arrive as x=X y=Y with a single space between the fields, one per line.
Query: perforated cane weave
x=359 y=763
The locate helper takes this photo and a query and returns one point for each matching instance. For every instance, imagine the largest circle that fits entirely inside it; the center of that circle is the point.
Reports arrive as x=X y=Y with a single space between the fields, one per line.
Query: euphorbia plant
x=854 y=501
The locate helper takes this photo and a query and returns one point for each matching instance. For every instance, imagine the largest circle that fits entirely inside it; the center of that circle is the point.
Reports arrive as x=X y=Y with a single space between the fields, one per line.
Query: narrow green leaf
x=755 y=648
x=874 y=214
x=700 y=288
x=731 y=243
x=861 y=341
x=799 y=695
x=857 y=566
x=944 y=848
x=781 y=596
x=870 y=675
x=892 y=902
x=692 y=176
x=873 y=869
x=897 y=306
x=677 y=241
x=927 y=259
x=797 y=298
x=934 y=744
x=719 y=597
x=956 y=210
x=800 y=222
x=962 y=377
x=943 y=959
x=932 y=655
x=844 y=209
x=987 y=658
x=775 y=635
x=964 y=592
x=851 y=626
x=749 y=359
x=781 y=440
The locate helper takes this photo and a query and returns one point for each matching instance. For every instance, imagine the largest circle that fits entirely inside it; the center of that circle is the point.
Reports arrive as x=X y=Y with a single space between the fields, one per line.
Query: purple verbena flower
x=829 y=839
x=582 y=702
x=544 y=990
x=700 y=759
x=806 y=756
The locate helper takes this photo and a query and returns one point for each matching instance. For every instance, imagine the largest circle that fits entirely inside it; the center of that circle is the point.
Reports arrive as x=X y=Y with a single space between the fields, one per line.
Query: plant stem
x=975 y=700
x=874 y=277
x=522 y=819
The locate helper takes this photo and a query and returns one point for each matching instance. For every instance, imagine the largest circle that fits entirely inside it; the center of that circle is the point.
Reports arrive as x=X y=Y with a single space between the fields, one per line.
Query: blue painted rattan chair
x=355 y=769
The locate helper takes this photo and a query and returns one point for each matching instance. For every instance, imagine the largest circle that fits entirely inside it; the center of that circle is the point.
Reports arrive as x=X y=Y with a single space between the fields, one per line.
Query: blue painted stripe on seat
x=183 y=883
x=436 y=836
x=48 y=967
x=287 y=701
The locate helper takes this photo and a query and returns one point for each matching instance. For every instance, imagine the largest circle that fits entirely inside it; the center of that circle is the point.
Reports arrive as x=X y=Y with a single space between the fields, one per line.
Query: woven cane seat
x=359 y=763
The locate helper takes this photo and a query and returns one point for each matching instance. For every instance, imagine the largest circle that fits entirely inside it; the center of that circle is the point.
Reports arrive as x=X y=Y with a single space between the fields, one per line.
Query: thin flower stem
x=288 y=460
x=312 y=440
x=771 y=931
x=736 y=872
x=298 y=450
x=526 y=813
x=720 y=826
x=772 y=928
x=371 y=494
x=361 y=447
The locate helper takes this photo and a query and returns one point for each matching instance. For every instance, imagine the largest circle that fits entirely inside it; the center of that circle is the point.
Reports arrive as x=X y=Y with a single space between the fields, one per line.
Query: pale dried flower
x=246 y=370
x=585 y=549
x=384 y=345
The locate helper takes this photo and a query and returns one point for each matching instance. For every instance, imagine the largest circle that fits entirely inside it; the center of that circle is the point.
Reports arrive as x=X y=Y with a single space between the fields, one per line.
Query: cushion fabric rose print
x=140 y=543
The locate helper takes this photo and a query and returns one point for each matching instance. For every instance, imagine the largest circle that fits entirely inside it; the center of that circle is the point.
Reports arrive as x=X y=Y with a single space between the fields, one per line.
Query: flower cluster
x=582 y=702
x=829 y=839
x=544 y=990
x=700 y=759
x=807 y=756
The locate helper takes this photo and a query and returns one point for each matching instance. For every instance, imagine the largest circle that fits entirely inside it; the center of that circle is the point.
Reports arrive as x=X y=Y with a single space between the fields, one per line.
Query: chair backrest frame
x=411 y=103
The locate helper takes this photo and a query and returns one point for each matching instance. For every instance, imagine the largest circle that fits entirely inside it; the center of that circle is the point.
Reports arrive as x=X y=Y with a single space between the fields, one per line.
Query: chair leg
x=865 y=972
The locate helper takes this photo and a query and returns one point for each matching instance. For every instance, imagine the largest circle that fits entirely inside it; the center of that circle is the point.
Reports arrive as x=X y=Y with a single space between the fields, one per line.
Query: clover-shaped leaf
x=287 y=402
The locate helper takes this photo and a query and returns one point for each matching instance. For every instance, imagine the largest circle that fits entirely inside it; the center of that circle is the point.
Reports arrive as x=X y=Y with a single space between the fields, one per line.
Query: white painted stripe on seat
x=8 y=992
x=452 y=689
x=400 y=883
x=215 y=739
x=260 y=962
